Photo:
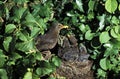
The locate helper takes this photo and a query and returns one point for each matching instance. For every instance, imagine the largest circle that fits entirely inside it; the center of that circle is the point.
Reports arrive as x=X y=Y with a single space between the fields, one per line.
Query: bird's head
x=59 y=26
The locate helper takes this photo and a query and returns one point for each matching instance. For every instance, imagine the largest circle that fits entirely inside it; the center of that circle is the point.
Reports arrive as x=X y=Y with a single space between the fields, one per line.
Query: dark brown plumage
x=72 y=40
x=70 y=51
x=49 y=39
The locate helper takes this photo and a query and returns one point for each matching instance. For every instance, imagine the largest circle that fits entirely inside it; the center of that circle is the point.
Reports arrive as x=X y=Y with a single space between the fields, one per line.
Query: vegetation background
x=95 y=22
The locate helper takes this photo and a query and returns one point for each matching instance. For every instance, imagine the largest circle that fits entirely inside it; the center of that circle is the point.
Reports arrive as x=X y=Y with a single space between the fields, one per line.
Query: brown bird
x=71 y=51
x=50 y=38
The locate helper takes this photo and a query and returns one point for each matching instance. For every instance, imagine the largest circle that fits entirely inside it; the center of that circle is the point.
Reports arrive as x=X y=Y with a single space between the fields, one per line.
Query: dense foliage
x=94 y=22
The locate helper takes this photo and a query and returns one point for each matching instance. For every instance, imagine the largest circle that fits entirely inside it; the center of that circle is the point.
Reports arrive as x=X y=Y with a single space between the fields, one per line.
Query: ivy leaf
x=91 y=5
x=9 y=28
x=39 y=71
x=28 y=75
x=34 y=31
x=101 y=73
x=90 y=15
x=102 y=21
x=19 y=12
x=32 y=22
x=84 y=28
x=113 y=33
x=45 y=68
x=23 y=36
x=104 y=37
x=111 y=5
x=43 y=71
x=103 y=63
x=89 y=35
x=115 y=20
x=56 y=61
x=80 y=5
x=117 y=29
x=43 y=25
x=16 y=56
x=3 y=74
x=119 y=7
x=6 y=43
x=27 y=46
x=2 y=58
x=38 y=56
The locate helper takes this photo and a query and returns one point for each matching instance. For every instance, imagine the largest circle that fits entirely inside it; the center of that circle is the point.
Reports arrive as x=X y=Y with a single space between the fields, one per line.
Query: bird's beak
x=65 y=26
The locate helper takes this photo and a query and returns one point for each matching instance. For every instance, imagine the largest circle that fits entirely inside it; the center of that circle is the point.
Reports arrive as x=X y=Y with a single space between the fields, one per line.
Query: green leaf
x=28 y=75
x=90 y=15
x=103 y=64
x=10 y=28
x=47 y=71
x=80 y=5
x=111 y=5
x=30 y=18
x=6 y=43
x=35 y=76
x=119 y=7
x=42 y=25
x=43 y=71
x=34 y=31
x=27 y=46
x=19 y=14
x=39 y=71
x=101 y=73
x=31 y=22
x=102 y=22
x=89 y=35
x=23 y=36
x=3 y=74
x=56 y=61
x=91 y=5
x=45 y=68
x=84 y=28
x=2 y=58
x=115 y=20
x=113 y=33
x=38 y=56
x=104 y=37
x=117 y=29
x=16 y=56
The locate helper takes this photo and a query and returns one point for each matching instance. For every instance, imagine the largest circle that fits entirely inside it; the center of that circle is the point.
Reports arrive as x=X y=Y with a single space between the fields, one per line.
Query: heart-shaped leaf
x=104 y=37
x=111 y=5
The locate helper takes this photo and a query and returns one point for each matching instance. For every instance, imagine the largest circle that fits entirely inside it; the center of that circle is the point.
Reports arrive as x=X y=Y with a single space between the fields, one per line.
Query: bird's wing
x=46 y=39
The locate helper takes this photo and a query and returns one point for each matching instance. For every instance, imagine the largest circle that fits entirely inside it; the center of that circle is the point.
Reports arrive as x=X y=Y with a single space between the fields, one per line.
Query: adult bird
x=49 y=39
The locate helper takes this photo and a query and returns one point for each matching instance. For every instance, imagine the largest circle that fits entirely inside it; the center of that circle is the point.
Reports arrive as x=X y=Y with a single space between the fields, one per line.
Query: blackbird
x=49 y=39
